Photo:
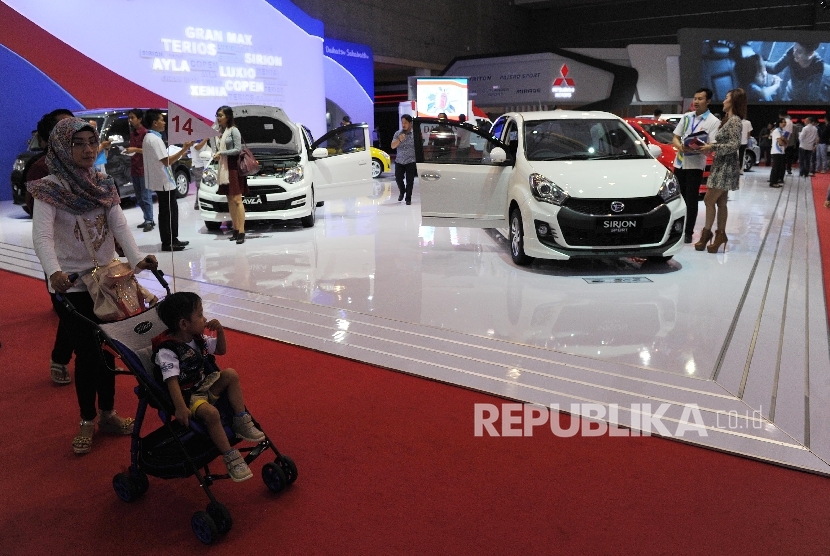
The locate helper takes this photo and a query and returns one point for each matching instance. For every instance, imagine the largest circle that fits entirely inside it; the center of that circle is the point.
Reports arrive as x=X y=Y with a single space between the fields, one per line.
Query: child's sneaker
x=244 y=427
x=237 y=468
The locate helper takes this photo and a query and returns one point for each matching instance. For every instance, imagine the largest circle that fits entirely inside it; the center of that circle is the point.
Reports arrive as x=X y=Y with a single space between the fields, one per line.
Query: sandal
x=59 y=373
x=82 y=443
x=115 y=424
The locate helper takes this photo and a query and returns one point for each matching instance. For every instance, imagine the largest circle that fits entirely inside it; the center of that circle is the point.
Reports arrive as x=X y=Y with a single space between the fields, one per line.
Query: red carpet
x=388 y=464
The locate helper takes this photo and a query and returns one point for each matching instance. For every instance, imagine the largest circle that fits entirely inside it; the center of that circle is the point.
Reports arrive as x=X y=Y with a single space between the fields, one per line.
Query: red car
x=660 y=133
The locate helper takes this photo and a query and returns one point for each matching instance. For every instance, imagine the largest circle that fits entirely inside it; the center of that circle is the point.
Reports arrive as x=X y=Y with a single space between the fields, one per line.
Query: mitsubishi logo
x=564 y=80
x=563 y=86
x=617 y=206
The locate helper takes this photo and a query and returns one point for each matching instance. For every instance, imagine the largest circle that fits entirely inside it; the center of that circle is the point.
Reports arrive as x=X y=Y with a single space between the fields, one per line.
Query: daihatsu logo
x=617 y=206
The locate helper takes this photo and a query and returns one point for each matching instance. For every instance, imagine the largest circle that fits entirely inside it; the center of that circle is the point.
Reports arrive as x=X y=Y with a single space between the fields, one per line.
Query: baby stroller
x=173 y=450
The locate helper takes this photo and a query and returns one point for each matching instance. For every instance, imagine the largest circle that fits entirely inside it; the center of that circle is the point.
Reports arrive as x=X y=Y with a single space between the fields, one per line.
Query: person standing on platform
x=807 y=140
x=404 y=142
x=779 y=152
x=746 y=130
x=690 y=162
x=726 y=168
x=823 y=142
x=143 y=196
x=232 y=184
x=157 y=163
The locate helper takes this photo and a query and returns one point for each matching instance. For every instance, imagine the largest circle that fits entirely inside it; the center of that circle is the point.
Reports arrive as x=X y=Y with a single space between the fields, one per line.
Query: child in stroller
x=180 y=354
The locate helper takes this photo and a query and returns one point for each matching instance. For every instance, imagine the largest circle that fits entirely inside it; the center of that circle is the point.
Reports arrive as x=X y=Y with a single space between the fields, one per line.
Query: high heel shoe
x=720 y=239
x=240 y=238
x=234 y=235
x=705 y=235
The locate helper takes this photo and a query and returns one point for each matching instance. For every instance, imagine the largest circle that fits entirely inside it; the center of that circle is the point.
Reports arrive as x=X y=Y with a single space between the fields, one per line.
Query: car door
x=347 y=170
x=461 y=186
x=118 y=164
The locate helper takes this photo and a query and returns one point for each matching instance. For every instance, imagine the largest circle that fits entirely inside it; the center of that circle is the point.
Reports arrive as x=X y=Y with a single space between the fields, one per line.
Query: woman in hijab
x=75 y=195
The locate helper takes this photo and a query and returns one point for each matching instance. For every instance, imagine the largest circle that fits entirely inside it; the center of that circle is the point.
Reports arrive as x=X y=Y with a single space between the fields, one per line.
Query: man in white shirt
x=746 y=130
x=690 y=162
x=158 y=178
x=808 y=138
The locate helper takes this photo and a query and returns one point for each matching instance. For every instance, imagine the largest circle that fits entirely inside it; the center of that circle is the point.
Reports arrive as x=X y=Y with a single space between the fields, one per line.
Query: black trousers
x=408 y=171
x=168 y=216
x=689 y=182
x=92 y=377
x=776 y=175
x=790 y=156
x=62 y=350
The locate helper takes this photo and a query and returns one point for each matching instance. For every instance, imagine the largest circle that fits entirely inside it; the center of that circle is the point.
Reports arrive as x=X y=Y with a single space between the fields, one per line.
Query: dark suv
x=113 y=125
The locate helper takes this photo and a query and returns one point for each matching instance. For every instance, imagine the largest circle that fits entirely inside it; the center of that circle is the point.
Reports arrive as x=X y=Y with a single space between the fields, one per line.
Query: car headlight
x=294 y=174
x=386 y=156
x=546 y=191
x=19 y=164
x=209 y=177
x=669 y=190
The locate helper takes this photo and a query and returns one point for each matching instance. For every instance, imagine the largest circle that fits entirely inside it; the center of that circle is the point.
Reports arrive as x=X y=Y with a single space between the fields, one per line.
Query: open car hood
x=266 y=129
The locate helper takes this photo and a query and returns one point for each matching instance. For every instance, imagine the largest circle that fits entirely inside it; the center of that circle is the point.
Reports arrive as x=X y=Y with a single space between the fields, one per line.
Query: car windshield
x=581 y=139
x=662 y=133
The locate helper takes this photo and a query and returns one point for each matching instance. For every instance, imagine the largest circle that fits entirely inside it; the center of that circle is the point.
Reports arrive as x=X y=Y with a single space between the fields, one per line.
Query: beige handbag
x=115 y=292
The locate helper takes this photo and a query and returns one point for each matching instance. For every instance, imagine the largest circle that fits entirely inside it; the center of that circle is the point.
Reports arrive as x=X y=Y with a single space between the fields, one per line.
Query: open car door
x=460 y=183
x=347 y=170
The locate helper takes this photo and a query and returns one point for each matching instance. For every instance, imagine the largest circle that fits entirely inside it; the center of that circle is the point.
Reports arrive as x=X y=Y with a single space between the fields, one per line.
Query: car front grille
x=265 y=188
x=267 y=206
x=635 y=205
x=579 y=230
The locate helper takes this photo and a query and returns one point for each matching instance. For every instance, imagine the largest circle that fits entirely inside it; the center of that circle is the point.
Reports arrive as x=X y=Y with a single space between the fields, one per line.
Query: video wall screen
x=441 y=94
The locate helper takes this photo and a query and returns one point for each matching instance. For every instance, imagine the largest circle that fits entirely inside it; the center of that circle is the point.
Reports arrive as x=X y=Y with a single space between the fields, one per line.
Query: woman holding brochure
x=726 y=168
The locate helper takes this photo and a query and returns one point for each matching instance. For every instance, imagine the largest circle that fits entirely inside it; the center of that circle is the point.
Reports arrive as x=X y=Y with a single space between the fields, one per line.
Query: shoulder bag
x=115 y=292
x=247 y=164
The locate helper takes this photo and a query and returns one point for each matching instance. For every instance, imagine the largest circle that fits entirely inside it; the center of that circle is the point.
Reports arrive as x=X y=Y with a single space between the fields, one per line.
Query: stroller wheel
x=126 y=488
x=274 y=477
x=288 y=467
x=204 y=527
x=221 y=516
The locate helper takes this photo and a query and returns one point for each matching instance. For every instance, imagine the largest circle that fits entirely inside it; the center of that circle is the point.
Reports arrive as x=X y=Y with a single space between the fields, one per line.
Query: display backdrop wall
x=101 y=53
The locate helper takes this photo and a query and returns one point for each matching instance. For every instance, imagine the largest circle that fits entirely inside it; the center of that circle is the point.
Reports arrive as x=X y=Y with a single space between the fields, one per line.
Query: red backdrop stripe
x=89 y=82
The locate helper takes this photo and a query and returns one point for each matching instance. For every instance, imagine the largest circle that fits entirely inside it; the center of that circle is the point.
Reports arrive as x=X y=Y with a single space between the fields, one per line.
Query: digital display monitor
x=441 y=94
x=769 y=71
x=773 y=67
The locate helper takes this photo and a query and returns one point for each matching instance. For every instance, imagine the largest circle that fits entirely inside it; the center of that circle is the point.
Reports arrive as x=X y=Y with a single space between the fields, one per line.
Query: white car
x=565 y=184
x=296 y=174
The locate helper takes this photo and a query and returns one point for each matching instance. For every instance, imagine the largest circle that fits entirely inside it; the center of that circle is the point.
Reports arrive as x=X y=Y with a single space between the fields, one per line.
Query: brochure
x=696 y=140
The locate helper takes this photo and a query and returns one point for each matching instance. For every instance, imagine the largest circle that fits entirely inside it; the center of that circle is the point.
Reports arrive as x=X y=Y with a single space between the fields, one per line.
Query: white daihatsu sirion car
x=564 y=183
x=295 y=173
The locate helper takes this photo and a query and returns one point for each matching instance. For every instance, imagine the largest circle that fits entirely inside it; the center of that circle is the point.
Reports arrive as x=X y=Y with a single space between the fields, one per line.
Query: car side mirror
x=655 y=151
x=115 y=139
x=497 y=155
x=320 y=152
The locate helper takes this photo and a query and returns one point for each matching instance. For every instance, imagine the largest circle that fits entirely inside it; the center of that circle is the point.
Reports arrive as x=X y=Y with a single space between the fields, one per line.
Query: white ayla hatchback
x=563 y=183
x=295 y=172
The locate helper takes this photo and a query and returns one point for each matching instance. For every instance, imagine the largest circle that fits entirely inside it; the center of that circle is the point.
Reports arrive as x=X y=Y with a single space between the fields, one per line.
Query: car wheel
x=377 y=168
x=308 y=221
x=517 y=239
x=213 y=226
x=19 y=192
x=749 y=160
x=182 y=184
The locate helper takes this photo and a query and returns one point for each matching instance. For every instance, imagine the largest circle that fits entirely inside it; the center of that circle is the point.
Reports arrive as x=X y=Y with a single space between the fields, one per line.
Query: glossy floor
x=725 y=332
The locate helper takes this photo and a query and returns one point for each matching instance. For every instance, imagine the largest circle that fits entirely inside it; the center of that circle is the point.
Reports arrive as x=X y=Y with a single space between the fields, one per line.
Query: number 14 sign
x=183 y=126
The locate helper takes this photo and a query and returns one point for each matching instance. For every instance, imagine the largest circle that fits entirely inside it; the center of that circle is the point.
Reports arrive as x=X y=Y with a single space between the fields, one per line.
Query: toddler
x=180 y=354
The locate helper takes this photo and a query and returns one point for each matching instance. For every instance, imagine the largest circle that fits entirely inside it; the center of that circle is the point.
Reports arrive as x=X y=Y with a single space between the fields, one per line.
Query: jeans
x=144 y=197
x=408 y=171
x=821 y=158
x=805 y=162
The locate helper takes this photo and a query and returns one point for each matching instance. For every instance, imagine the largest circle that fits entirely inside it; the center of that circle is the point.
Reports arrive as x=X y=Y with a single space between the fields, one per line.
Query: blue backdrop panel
x=28 y=94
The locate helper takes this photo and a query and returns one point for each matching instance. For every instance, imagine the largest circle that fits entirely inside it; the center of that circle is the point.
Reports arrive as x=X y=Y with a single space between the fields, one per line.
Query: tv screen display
x=769 y=71
x=442 y=94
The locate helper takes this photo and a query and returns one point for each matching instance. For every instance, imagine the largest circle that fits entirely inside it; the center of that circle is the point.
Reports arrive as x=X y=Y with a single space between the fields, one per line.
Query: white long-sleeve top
x=60 y=246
